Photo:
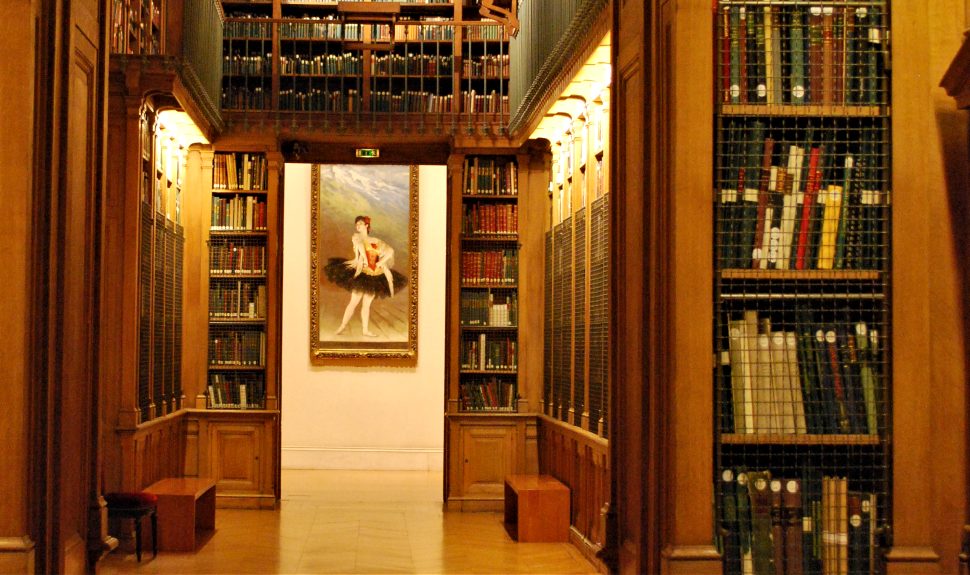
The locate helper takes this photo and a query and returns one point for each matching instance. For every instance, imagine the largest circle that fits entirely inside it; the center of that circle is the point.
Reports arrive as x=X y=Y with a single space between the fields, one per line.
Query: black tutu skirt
x=339 y=273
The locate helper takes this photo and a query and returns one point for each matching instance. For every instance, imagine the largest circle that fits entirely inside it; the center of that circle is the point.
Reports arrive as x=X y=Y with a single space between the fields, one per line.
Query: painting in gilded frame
x=363 y=262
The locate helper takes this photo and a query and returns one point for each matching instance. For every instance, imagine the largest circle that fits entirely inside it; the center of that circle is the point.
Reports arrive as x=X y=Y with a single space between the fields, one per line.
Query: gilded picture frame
x=363 y=263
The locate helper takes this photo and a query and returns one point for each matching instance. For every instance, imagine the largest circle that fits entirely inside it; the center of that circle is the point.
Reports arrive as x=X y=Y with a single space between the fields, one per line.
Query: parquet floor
x=369 y=522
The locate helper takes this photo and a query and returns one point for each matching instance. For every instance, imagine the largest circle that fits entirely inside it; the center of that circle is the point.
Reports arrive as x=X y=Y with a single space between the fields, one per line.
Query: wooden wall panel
x=629 y=174
x=580 y=460
x=17 y=116
x=152 y=451
x=686 y=69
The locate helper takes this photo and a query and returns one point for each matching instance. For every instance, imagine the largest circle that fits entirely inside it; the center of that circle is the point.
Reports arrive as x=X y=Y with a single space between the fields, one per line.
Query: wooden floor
x=358 y=522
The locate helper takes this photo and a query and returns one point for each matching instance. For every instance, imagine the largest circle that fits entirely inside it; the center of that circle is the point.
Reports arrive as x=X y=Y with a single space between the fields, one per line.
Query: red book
x=808 y=204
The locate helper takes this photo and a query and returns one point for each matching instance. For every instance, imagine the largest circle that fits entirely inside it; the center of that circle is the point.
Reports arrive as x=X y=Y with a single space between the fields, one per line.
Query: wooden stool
x=536 y=508
x=135 y=506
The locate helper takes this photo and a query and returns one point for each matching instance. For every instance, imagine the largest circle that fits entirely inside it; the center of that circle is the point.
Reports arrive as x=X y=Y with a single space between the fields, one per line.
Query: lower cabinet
x=239 y=450
x=483 y=450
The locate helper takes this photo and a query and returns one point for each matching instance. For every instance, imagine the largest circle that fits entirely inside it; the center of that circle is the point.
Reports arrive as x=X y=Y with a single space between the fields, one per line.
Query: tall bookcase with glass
x=802 y=303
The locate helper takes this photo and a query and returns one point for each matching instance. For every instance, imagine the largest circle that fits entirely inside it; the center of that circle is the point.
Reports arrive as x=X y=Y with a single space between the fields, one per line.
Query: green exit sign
x=368 y=153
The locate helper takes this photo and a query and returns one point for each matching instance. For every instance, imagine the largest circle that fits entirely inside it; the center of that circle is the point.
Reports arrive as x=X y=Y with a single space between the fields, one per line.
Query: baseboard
x=364 y=458
x=587 y=548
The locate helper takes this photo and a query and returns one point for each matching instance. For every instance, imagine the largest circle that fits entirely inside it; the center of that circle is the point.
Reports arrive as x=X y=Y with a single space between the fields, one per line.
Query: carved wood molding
x=577 y=44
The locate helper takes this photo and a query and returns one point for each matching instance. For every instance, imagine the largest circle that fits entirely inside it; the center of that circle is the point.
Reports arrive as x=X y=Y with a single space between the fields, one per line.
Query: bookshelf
x=490 y=426
x=802 y=384
x=488 y=317
x=238 y=286
x=417 y=57
x=136 y=27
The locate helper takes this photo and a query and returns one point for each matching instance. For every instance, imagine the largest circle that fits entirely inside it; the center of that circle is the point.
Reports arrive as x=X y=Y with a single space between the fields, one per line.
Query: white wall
x=363 y=418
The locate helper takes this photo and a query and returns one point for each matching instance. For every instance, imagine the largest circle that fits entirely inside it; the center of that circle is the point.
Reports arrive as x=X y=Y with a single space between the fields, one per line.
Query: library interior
x=676 y=286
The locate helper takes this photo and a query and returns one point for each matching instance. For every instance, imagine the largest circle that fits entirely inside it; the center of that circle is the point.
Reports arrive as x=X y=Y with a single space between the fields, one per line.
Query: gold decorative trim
x=318 y=353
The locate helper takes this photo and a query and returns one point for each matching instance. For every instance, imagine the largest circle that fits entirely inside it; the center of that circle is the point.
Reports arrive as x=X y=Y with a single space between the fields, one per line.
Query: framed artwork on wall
x=363 y=262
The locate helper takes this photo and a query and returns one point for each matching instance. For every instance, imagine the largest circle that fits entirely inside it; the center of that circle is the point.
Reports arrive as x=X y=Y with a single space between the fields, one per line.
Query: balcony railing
x=184 y=36
x=332 y=74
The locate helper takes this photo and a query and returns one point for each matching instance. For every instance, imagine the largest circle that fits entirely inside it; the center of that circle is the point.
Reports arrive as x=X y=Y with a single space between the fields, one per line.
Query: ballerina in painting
x=368 y=275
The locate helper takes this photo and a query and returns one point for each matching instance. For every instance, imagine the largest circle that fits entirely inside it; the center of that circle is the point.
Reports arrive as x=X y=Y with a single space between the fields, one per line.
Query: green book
x=796 y=41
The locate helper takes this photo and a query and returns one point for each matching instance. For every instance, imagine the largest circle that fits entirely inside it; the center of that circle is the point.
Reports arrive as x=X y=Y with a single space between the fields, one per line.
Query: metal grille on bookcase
x=145 y=313
x=579 y=315
x=599 y=315
x=158 y=318
x=547 y=336
x=178 y=292
x=562 y=299
x=802 y=301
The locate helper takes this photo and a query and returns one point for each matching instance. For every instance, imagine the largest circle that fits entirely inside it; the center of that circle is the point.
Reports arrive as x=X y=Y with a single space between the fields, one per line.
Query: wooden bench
x=536 y=508
x=185 y=505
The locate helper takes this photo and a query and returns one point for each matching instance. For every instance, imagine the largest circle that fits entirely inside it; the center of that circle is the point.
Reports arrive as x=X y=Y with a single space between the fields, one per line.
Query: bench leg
x=154 y=533
x=138 y=537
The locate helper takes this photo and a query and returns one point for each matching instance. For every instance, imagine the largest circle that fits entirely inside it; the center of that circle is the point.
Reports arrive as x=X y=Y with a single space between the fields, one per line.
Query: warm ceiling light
x=180 y=127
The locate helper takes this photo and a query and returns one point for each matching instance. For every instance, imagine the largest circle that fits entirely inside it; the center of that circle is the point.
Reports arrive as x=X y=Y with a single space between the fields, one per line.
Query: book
x=812 y=185
x=762 y=549
x=793 y=527
x=730 y=524
x=796 y=41
x=794 y=382
x=867 y=378
x=764 y=181
x=748 y=188
x=741 y=377
x=777 y=527
x=781 y=392
x=744 y=520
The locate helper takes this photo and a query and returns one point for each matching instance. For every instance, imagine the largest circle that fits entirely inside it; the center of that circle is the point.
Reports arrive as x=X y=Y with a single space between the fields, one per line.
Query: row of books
x=248 y=98
x=237 y=300
x=412 y=65
x=239 y=171
x=237 y=347
x=804 y=205
x=488 y=309
x=486 y=66
x=489 y=351
x=485 y=176
x=776 y=525
x=315 y=28
x=316 y=100
x=244 y=25
x=236 y=258
x=490 y=219
x=321 y=64
x=238 y=213
x=241 y=64
x=821 y=54
x=815 y=378
x=492 y=102
x=490 y=394
x=236 y=391
x=490 y=267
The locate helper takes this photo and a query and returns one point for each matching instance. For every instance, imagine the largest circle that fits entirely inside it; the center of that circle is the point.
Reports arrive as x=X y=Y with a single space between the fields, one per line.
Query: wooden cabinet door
x=235 y=450
x=488 y=456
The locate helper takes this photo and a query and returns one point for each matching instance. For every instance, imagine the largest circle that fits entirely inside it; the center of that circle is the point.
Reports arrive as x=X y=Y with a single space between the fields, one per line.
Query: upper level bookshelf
x=802 y=303
x=136 y=26
x=365 y=60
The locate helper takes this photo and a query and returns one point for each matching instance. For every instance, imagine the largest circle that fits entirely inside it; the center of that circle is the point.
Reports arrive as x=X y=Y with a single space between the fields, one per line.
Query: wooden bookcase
x=238 y=287
x=136 y=26
x=802 y=388
x=491 y=432
x=415 y=57
x=233 y=433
